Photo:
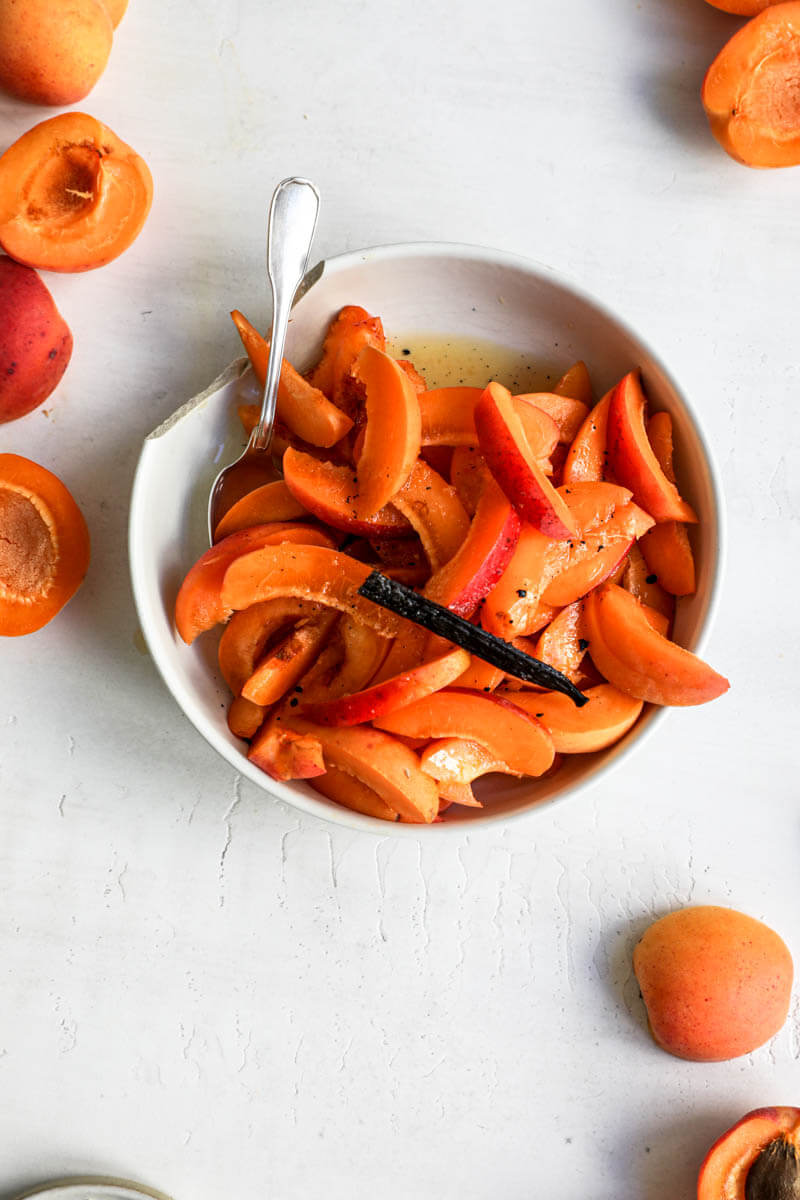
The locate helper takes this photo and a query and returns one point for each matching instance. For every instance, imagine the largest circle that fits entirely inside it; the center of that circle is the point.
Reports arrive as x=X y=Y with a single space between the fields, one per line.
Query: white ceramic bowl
x=440 y=289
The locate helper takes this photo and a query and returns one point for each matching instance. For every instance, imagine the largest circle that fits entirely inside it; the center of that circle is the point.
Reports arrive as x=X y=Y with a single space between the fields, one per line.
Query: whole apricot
x=716 y=983
x=35 y=342
x=53 y=51
x=116 y=10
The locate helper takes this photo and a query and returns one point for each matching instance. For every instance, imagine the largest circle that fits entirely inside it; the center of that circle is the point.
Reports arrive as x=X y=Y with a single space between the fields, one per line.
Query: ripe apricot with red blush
x=716 y=983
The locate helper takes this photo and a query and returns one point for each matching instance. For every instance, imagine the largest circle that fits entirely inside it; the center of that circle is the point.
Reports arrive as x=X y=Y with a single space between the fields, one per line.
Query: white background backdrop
x=202 y=989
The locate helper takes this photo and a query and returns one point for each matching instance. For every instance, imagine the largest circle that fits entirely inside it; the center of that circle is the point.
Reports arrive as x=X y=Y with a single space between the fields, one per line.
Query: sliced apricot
x=72 y=195
x=363 y=652
x=561 y=643
x=348 y=333
x=446 y=415
x=639 y=580
x=597 y=554
x=248 y=634
x=666 y=548
x=285 y=753
x=640 y=661
x=391 y=694
x=607 y=716
x=509 y=456
x=199 y=606
x=381 y=762
x=512 y=735
x=245 y=718
x=44 y=545
x=567 y=412
x=468 y=473
x=586 y=458
x=310 y=573
x=632 y=459
x=352 y=793
x=513 y=606
x=391 y=432
x=463 y=582
x=268 y=503
x=751 y=92
x=576 y=384
x=433 y=508
x=459 y=761
x=330 y=492
x=304 y=409
x=757 y=1159
x=283 y=666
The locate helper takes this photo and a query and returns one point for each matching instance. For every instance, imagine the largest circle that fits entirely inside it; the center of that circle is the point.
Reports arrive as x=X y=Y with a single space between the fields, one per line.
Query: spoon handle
x=292 y=221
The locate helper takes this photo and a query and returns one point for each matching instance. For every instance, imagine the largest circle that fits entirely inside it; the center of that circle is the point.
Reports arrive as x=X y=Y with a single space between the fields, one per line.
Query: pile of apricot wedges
x=552 y=524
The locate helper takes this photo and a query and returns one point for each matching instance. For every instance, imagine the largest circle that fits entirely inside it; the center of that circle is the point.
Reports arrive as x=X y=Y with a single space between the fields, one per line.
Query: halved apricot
x=72 y=195
x=751 y=92
x=44 y=546
x=757 y=1159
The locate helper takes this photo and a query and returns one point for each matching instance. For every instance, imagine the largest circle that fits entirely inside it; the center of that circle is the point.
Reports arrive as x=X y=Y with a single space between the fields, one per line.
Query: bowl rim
x=388 y=252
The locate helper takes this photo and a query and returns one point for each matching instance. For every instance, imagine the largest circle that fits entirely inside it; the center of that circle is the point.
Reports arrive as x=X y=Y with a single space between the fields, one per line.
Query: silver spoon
x=292 y=221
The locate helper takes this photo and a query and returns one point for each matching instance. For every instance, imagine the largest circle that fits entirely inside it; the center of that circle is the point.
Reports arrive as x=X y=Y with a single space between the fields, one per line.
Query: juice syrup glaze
x=451 y=361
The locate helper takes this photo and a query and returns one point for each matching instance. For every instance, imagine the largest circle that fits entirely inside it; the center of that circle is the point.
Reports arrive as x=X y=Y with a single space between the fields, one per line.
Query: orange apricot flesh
x=73 y=195
x=751 y=92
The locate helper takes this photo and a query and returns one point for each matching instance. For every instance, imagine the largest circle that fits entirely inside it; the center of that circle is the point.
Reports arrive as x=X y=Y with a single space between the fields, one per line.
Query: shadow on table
x=688 y=35
x=670 y=1154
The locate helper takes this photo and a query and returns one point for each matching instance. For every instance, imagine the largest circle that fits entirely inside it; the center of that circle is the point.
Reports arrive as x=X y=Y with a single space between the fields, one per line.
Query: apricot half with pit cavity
x=72 y=195
x=757 y=1159
x=716 y=983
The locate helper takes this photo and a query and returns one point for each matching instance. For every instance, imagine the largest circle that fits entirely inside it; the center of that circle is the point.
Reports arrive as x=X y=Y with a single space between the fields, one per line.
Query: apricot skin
x=53 y=51
x=716 y=983
x=35 y=342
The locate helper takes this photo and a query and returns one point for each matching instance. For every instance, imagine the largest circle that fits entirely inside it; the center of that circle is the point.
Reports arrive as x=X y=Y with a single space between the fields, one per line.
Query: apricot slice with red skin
x=508 y=455
x=432 y=507
x=391 y=433
x=576 y=384
x=282 y=667
x=513 y=606
x=199 y=606
x=285 y=753
x=631 y=457
x=509 y=733
x=750 y=92
x=587 y=456
x=310 y=573
x=463 y=582
x=330 y=492
x=268 y=503
x=636 y=659
x=608 y=715
x=716 y=983
x=459 y=761
x=393 y=693
x=758 y=1158
x=248 y=634
x=448 y=419
x=379 y=761
x=44 y=546
x=304 y=409
x=568 y=413
x=350 y=792
x=348 y=333
x=597 y=555
x=73 y=195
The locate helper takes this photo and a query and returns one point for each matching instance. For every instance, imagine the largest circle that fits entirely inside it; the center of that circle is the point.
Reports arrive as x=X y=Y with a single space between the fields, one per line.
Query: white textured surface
x=201 y=988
